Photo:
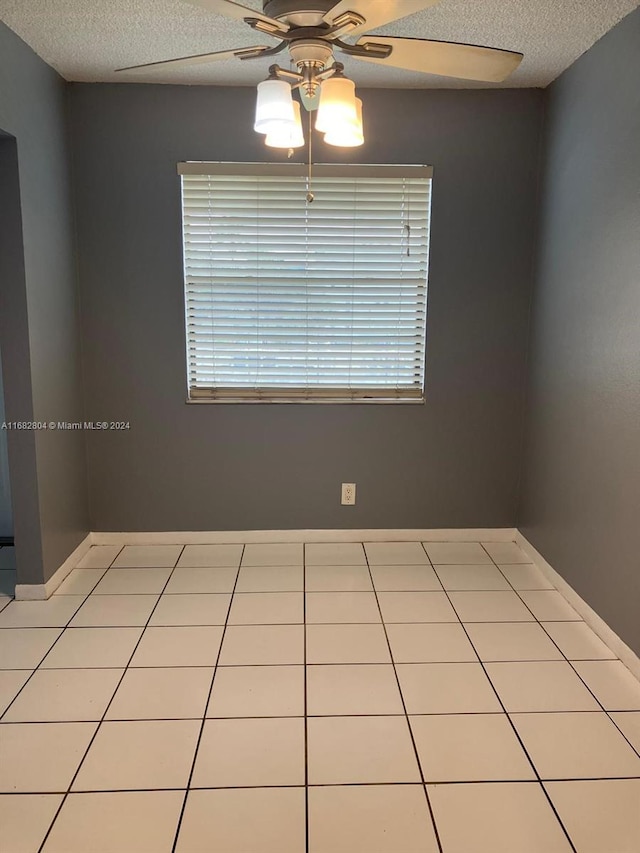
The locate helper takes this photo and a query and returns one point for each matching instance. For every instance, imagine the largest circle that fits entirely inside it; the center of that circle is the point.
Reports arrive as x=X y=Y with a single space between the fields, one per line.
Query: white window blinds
x=291 y=301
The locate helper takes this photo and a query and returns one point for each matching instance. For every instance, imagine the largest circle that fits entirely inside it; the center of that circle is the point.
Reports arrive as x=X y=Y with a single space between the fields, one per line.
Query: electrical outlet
x=348 y=494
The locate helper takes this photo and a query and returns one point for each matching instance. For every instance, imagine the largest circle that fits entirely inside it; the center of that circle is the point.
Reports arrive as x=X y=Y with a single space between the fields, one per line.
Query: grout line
x=206 y=707
x=406 y=715
x=449 y=782
x=9 y=723
x=101 y=721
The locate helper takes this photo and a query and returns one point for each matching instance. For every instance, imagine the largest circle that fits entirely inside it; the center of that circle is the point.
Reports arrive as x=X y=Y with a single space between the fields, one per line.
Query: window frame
x=297 y=395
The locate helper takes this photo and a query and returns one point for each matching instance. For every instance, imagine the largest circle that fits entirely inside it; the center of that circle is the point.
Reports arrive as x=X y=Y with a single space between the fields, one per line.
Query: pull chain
x=310 y=195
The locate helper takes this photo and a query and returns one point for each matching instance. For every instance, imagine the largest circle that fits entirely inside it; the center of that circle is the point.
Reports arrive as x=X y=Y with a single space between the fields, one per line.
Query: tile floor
x=327 y=698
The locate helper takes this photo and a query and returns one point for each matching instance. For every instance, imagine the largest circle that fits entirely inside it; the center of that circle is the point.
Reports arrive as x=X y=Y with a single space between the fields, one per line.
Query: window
x=289 y=301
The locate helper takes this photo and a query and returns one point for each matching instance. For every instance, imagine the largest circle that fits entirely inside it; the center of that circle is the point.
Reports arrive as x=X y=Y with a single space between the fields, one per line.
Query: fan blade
x=378 y=12
x=229 y=9
x=198 y=59
x=446 y=58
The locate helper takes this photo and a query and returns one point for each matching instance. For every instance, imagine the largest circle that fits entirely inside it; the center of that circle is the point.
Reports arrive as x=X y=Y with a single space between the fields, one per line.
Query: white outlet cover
x=348 y=494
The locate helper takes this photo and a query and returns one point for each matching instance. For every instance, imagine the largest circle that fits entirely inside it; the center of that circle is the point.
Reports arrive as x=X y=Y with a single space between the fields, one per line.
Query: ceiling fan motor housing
x=298 y=13
x=311 y=53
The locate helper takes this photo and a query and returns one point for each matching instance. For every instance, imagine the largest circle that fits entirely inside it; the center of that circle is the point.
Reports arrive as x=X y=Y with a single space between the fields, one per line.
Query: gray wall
x=581 y=488
x=39 y=329
x=6 y=513
x=451 y=463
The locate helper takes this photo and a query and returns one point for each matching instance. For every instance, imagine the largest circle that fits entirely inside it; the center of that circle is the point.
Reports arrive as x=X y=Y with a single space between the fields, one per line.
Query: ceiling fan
x=311 y=30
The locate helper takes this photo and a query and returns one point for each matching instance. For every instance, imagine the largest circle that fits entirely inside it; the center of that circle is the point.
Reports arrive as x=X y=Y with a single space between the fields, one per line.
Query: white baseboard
x=205 y=537
x=628 y=657
x=40 y=591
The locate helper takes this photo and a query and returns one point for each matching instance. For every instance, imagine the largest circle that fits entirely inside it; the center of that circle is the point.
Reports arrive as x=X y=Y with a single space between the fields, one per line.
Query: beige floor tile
x=132 y=582
x=80 y=582
x=54 y=613
x=446 y=688
x=490 y=607
x=577 y=641
x=24 y=648
x=505 y=552
x=611 y=683
x=99 y=557
x=65 y=695
x=549 y=605
x=430 y=643
x=210 y=556
x=117 y=821
x=457 y=553
x=25 y=819
x=338 y=554
x=250 y=753
x=257 y=691
x=11 y=682
x=270 y=579
x=353 y=689
x=88 y=648
x=184 y=646
x=629 y=724
x=268 y=820
x=201 y=580
x=470 y=577
x=41 y=757
x=496 y=817
x=525 y=576
x=599 y=815
x=114 y=611
x=262 y=644
x=173 y=693
x=576 y=746
x=347 y=644
x=396 y=554
x=273 y=554
x=347 y=750
x=511 y=641
x=191 y=609
x=380 y=818
x=405 y=579
x=416 y=607
x=148 y=556
x=540 y=686
x=139 y=754
x=342 y=607
x=337 y=579
x=469 y=748
x=267 y=608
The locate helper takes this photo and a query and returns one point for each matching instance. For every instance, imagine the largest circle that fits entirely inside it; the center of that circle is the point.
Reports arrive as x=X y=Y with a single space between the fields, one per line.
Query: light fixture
x=347 y=134
x=274 y=107
x=285 y=136
x=321 y=88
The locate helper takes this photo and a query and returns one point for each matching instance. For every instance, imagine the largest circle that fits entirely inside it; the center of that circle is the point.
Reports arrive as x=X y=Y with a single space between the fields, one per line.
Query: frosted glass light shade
x=337 y=103
x=274 y=106
x=285 y=136
x=347 y=134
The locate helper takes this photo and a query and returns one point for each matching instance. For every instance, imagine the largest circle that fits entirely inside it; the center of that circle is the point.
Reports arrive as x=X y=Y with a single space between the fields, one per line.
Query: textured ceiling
x=85 y=40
